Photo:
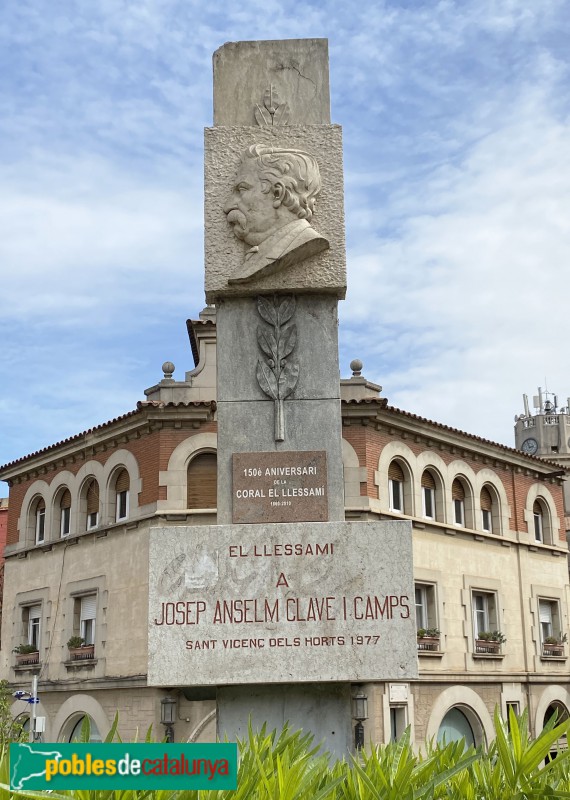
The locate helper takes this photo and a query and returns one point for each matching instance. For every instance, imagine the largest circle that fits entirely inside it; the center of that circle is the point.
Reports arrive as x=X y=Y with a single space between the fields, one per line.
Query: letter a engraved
x=282 y=580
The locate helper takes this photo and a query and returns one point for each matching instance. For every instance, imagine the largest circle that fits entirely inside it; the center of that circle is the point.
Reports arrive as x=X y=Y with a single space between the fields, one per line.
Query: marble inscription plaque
x=281 y=603
x=280 y=487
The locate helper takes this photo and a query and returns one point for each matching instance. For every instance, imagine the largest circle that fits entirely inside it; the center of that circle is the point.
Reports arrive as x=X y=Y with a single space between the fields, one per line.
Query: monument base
x=324 y=710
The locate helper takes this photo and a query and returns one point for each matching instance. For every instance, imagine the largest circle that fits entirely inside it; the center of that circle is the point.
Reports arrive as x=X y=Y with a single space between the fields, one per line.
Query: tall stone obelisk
x=274 y=185
x=282 y=606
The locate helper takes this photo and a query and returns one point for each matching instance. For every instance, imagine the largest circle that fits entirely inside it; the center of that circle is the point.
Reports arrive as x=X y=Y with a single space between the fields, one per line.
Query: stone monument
x=282 y=606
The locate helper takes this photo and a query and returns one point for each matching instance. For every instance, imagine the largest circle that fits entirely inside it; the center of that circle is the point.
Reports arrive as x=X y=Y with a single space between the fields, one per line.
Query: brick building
x=489 y=555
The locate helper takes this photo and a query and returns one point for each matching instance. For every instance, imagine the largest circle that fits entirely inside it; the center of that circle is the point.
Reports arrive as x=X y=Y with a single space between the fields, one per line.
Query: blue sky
x=457 y=171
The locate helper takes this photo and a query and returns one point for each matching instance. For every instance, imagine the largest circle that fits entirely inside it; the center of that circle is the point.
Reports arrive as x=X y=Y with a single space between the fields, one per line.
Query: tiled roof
x=78 y=436
x=472 y=436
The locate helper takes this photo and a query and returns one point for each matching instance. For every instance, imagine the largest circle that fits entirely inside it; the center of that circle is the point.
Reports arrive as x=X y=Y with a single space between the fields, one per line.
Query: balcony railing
x=552 y=650
x=85 y=653
x=27 y=659
x=487 y=647
x=428 y=644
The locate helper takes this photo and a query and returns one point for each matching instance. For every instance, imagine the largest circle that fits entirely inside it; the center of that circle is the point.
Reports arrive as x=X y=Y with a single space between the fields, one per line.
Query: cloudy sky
x=457 y=170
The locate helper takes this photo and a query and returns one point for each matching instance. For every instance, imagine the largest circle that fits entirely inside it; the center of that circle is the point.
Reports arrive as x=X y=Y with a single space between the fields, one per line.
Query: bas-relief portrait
x=270 y=209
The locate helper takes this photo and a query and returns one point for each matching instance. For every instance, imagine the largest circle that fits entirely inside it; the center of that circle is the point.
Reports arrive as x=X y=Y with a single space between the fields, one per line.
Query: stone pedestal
x=311 y=414
x=324 y=710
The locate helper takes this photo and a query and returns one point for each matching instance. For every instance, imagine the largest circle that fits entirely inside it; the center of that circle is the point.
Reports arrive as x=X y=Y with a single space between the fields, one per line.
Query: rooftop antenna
x=526 y=408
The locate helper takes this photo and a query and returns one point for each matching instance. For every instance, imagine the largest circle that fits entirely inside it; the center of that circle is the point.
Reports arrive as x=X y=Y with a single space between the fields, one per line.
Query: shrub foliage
x=288 y=766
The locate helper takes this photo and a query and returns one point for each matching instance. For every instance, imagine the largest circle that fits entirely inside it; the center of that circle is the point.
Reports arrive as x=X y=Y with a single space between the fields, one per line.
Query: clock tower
x=546 y=432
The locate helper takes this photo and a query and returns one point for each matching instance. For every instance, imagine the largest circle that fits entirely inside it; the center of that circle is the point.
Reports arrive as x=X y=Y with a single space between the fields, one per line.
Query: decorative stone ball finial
x=356 y=367
x=168 y=369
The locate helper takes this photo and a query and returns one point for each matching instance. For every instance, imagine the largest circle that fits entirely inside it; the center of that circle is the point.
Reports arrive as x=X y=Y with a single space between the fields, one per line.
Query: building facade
x=490 y=562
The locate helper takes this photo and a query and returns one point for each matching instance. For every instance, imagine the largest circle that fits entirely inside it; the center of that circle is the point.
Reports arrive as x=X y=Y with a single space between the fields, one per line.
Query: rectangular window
x=486 y=520
x=459 y=512
x=484 y=613
x=426 y=616
x=514 y=706
x=65 y=521
x=428 y=501
x=398 y=721
x=92 y=519
x=396 y=489
x=40 y=525
x=122 y=505
x=32 y=620
x=538 y=535
x=549 y=617
x=87 y=616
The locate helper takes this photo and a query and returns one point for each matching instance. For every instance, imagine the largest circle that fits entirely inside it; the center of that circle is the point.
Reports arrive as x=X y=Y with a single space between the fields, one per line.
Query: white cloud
x=456 y=138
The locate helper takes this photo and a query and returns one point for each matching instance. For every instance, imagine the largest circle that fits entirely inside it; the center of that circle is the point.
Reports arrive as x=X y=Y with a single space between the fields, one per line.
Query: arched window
x=73 y=729
x=486 y=510
x=65 y=513
x=458 y=498
x=396 y=487
x=202 y=481
x=122 y=484
x=40 y=520
x=92 y=501
x=428 y=495
x=457 y=724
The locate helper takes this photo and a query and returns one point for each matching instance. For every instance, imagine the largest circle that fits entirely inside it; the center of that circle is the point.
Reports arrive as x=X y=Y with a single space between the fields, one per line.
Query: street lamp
x=359 y=713
x=33 y=699
x=168 y=716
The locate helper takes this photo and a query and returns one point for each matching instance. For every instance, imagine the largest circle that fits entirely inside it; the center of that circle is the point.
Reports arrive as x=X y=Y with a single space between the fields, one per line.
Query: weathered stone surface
x=323 y=709
x=248 y=426
x=316 y=349
x=242 y=604
x=225 y=254
x=280 y=487
x=297 y=69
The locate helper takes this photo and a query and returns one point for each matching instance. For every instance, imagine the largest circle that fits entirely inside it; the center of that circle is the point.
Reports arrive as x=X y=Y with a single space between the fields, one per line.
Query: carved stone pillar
x=275 y=258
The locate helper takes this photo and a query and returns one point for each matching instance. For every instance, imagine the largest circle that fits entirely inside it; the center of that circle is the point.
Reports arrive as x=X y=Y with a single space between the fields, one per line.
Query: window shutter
x=545 y=611
x=122 y=483
x=395 y=472
x=93 y=497
x=65 y=499
x=202 y=481
x=88 y=607
x=427 y=480
x=457 y=490
x=34 y=612
x=486 y=500
x=537 y=508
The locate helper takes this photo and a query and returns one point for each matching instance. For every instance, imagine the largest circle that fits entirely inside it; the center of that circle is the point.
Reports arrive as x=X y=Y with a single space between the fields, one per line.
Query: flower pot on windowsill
x=428 y=639
x=487 y=647
x=553 y=646
x=79 y=651
x=26 y=655
x=489 y=643
x=84 y=653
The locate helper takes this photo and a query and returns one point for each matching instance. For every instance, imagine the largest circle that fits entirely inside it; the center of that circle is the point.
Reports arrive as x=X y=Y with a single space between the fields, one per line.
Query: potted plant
x=27 y=654
x=78 y=650
x=489 y=642
x=428 y=638
x=554 y=645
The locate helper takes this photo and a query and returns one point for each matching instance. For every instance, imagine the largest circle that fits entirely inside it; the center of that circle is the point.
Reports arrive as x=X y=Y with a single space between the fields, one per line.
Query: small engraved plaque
x=280 y=487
